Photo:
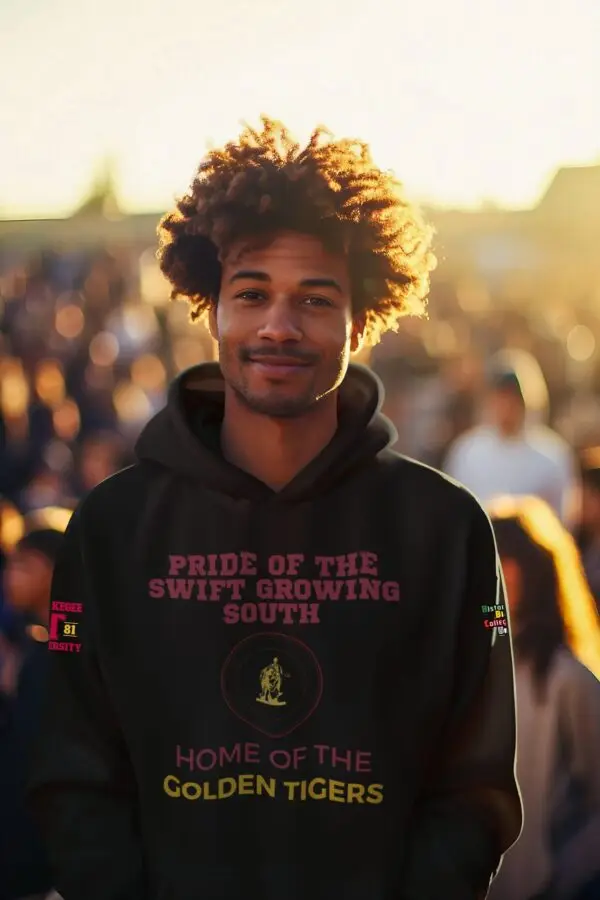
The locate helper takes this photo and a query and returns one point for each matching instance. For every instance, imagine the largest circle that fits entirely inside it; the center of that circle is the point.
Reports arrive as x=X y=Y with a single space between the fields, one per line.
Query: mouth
x=278 y=366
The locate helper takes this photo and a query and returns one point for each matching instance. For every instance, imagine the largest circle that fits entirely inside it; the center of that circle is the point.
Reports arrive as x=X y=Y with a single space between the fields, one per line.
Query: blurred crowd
x=85 y=360
x=87 y=350
x=83 y=363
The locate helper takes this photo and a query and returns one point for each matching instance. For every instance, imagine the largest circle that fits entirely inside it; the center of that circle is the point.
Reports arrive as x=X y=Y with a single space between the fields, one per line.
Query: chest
x=358 y=588
x=365 y=565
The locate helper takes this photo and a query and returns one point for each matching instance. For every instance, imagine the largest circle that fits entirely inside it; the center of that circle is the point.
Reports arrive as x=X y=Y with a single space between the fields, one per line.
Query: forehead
x=286 y=252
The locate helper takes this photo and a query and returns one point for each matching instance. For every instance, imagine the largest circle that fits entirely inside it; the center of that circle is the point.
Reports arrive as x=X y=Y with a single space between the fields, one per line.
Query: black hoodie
x=296 y=694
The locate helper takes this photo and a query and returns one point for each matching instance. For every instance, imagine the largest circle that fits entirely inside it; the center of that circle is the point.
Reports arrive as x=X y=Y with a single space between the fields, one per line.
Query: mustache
x=253 y=354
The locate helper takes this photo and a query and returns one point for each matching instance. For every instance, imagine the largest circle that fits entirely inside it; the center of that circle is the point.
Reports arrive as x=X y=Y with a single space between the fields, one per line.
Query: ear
x=212 y=322
x=357 y=336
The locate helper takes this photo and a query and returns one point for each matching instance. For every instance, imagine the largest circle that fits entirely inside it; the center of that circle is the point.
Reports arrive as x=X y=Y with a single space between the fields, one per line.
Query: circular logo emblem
x=272 y=682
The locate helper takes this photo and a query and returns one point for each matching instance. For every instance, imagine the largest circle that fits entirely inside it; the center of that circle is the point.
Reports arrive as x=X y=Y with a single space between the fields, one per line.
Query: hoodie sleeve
x=81 y=788
x=470 y=812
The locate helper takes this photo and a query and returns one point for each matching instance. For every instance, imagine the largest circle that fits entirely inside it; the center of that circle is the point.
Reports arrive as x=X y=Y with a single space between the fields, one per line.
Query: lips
x=276 y=368
x=279 y=362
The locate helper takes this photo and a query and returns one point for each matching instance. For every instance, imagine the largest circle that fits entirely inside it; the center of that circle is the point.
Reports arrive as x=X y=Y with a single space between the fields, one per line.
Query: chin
x=278 y=405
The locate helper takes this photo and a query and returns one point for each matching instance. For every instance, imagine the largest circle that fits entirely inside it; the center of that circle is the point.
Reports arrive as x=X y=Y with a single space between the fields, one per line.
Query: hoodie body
x=269 y=694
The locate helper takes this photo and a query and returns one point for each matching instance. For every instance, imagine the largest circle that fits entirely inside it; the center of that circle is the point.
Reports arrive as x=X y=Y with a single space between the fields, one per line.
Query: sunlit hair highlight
x=265 y=183
x=576 y=603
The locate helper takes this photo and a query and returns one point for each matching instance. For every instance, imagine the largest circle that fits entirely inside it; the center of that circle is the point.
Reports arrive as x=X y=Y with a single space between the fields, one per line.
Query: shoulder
x=551 y=445
x=121 y=494
x=128 y=480
x=435 y=492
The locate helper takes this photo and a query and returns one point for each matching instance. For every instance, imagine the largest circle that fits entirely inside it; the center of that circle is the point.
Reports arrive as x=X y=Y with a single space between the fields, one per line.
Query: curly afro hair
x=331 y=189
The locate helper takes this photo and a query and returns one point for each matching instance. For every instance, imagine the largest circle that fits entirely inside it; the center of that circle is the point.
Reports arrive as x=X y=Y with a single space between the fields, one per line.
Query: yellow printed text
x=252 y=785
x=334 y=791
x=220 y=789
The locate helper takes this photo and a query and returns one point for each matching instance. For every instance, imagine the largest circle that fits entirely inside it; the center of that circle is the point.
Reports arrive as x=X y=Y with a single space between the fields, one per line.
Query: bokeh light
x=12 y=526
x=186 y=353
x=441 y=340
x=50 y=383
x=58 y=456
x=104 y=349
x=69 y=321
x=581 y=343
x=131 y=403
x=14 y=389
x=66 y=420
x=135 y=326
x=149 y=373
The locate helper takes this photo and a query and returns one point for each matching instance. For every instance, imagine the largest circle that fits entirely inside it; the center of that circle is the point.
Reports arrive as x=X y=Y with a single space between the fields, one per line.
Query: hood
x=184 y=436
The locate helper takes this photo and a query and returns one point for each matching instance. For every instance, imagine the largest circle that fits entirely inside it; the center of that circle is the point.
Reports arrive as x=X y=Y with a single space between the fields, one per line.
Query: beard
x=273 y=406
x=285 y=399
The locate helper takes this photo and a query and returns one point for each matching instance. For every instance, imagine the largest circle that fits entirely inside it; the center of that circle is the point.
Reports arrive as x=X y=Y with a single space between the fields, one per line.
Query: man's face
x=27 y=580
x=506 y=410
x=284 y=324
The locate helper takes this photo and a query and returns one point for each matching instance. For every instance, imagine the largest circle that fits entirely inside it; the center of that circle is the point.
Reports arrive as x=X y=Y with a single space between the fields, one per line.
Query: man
x=511 y=453
x=101 y=454
x=24 y=869
x=266 y=519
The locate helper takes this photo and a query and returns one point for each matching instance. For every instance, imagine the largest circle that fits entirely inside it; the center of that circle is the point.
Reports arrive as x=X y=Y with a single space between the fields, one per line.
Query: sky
x=468 y=101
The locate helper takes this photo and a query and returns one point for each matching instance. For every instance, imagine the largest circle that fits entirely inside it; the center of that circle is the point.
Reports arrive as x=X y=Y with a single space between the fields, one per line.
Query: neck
x=511 y=430
x=275 y=450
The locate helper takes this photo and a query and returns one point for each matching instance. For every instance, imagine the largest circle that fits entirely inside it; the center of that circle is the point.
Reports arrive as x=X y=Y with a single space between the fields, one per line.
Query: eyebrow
x=252 y=275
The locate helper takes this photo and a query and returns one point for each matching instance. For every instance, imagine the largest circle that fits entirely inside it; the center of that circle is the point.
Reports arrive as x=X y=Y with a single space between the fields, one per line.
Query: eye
x=251 y=296
x=315 y=300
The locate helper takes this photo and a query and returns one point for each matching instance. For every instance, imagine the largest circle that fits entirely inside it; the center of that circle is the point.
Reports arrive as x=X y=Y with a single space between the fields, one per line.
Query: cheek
x=332 y=334
x=232 y=330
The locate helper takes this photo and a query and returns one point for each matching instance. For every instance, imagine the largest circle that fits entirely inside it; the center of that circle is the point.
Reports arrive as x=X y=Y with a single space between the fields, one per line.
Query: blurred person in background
x=100 y=456
x=22 y=442
x=46 y=487
x=589 y=523
x=513 y=452
x=12 y=528
x=297 y=256
x=72 y=325
x=556 y=640
x=24 y=868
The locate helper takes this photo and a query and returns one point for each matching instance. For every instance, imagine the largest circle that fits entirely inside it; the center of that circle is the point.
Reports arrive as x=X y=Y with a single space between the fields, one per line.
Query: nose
x=281 y=322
